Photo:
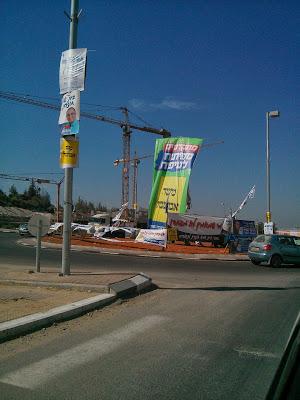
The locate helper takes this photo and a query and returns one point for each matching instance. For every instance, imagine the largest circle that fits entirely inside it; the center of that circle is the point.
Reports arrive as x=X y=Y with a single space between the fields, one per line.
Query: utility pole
x=269 y=114
x=126 y=158
x=68 y=185
x=58 y=184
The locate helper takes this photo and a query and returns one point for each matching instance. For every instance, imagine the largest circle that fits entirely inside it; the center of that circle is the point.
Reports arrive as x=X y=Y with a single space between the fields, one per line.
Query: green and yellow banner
x=173 y=161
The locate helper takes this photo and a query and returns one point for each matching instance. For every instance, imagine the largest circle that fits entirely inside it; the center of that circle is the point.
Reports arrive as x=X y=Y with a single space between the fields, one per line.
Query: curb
x=30 y=323
x=141 y=253
x=131 y=286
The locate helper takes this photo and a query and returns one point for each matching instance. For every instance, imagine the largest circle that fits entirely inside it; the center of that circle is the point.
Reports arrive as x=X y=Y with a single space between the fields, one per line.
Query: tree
x=13 y=197
x=101 y=207
x=45 y=202
x=85 y=207
x=91 y=206
x=3 y=199
x=32 y=190
x=30 y=199
x=12 y=192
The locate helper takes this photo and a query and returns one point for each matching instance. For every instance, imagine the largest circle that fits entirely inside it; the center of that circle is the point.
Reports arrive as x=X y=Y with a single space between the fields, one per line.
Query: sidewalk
x=30 y=301
x=24 y=293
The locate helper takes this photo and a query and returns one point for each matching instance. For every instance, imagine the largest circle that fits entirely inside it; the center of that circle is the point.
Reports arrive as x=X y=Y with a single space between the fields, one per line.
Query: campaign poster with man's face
x=70 y=113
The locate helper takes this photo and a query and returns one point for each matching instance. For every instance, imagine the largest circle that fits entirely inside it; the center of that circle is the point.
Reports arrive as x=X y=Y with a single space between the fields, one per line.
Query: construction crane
x=39 y=181
x=135 y=163
x=125 y=125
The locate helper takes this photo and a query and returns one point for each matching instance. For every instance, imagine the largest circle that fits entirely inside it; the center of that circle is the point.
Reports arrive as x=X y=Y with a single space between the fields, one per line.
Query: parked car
x=23 y=229
x=275 y=250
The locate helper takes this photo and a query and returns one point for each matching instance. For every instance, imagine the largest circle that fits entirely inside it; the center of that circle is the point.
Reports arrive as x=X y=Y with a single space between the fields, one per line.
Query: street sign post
x=268 y=228
x=38 y=226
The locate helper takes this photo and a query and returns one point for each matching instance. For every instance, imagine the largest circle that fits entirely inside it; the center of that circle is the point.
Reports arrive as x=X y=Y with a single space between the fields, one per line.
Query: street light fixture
x=269 y=114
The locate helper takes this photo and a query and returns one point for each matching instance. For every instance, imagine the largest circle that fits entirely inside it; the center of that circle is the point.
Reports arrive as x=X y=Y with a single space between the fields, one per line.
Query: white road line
x=148 y=255
x=38 y=373
x=255 y=353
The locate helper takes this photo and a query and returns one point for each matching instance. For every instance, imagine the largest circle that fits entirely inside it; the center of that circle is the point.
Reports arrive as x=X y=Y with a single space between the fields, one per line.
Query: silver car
x=275 y=250
x=23 y=230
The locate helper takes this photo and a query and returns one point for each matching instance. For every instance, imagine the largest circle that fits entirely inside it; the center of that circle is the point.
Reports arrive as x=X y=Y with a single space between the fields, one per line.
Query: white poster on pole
x=268 y=228
x=72 y=70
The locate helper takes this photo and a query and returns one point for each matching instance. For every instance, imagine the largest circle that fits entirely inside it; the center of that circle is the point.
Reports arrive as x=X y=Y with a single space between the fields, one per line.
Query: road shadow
x=229 y=289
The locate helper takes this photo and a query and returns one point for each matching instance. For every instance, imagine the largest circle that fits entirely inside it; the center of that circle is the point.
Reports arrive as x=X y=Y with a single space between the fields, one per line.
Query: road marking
x=38 y=373
x=255 y=353
x=148 y=255
x=109 y=252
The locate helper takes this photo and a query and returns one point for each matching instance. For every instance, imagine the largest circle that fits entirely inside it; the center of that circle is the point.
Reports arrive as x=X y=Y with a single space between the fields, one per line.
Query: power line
x=33 y=173
x=92 y=105
x=58 y=99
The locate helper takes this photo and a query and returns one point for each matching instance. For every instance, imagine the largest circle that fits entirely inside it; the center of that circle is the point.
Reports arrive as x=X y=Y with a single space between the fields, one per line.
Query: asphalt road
x=165 y=272
x=214 y=330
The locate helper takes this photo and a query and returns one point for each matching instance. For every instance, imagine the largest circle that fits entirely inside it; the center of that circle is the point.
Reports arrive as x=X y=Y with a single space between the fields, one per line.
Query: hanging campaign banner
x=243 y=233
x=173 y=161
x=196 y=224
x=72 y=70
x=244 y=228
x=69 y=152
x=196 y=227
x=153 y=236
x=70 y=113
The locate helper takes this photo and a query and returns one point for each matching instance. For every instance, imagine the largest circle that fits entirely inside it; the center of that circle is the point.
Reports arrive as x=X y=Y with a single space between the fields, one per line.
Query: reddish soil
x=130 y=244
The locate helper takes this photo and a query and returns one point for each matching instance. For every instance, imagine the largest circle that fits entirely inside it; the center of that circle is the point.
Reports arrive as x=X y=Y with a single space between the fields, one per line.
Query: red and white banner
x=196 y=224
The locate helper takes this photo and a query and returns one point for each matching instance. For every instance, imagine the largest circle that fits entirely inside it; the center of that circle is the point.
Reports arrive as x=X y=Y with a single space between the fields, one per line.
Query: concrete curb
x=141 y=253
x=134 y=285
x=30 y=323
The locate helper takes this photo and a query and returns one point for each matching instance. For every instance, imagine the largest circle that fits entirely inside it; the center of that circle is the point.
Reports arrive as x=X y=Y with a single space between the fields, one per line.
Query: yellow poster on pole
x=69 y=148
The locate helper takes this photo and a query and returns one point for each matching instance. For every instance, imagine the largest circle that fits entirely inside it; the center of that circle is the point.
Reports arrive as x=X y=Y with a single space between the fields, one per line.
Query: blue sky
x=200 y=69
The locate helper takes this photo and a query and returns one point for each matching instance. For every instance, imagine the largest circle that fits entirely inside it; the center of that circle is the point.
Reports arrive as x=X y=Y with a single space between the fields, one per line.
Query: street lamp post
x=269 y=114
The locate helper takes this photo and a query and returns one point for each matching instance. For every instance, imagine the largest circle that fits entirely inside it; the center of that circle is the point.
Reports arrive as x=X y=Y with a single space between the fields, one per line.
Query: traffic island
x=130 y=248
